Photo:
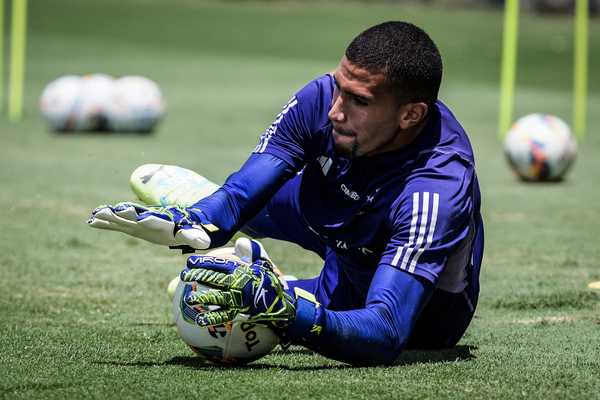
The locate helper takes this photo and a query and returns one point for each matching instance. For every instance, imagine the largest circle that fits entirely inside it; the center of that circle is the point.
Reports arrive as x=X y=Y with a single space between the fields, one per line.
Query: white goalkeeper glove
x=169 y=226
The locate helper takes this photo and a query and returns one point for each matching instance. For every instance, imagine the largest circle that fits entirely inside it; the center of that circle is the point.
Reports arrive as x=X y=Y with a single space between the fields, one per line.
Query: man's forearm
x=375 y=334
x=242 y=196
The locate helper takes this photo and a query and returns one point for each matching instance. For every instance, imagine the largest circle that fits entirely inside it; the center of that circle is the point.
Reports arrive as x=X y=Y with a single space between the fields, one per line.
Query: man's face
x=365 y=113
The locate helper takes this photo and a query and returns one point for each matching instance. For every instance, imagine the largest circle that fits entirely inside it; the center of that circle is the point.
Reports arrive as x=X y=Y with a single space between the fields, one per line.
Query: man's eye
x=359 y=101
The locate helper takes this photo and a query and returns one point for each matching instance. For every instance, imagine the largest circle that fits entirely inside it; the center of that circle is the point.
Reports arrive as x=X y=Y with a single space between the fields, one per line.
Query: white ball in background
x=540 y=147
x=137 y=105
x=97 y=90
x=60 y=102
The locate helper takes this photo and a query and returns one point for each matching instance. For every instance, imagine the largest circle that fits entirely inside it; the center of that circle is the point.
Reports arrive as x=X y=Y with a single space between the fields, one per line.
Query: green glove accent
x=238 y=287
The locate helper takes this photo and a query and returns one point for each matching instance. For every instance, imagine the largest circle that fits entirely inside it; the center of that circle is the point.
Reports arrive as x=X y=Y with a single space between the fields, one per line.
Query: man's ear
x=411 y=114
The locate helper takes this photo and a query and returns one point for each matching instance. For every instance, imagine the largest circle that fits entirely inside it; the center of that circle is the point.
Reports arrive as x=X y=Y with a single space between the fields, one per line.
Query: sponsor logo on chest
x=350 y=193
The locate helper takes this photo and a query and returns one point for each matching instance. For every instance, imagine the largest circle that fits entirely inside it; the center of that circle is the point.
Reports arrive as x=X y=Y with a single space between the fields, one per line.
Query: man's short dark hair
x=405 y=54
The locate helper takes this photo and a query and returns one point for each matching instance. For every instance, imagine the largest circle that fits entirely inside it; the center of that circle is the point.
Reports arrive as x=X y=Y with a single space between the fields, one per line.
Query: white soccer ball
x=540 y=147
x=74 y=103
x=234 y=343
x=60 y=102
x=96 y=95
x=137 y=105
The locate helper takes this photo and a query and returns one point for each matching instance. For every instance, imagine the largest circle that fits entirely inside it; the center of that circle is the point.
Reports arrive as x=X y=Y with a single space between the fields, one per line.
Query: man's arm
x=283 y=149
x=375 y=334
x=242 y=195
x=431 y=221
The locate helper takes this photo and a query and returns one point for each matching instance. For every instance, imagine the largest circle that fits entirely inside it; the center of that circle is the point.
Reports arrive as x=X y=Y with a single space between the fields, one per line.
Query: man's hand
x=169 y=226
x=239 y=287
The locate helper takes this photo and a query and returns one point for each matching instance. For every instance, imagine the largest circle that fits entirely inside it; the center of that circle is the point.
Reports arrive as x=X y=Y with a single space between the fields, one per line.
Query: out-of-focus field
x=84 y=313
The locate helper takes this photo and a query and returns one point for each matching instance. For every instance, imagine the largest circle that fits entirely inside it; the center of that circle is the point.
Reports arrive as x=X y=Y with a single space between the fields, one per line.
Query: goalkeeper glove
x=175 y=226
x=248 y=287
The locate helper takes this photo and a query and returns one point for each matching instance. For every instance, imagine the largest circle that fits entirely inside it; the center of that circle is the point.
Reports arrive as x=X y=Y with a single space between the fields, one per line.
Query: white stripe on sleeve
x=266 y=136
x=408 y=255
x=434 y=213
x=422 y=232
x=413 y=228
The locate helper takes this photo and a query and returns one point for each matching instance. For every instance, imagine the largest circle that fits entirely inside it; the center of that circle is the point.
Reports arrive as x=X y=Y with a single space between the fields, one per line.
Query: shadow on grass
x=456 y=354
x=409 y=357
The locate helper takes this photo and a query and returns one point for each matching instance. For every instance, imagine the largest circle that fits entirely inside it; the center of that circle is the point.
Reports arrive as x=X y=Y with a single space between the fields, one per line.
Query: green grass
x=84 y=313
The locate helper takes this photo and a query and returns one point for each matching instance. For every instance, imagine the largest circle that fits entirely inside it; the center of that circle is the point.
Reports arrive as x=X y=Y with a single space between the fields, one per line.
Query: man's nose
x=336 y=113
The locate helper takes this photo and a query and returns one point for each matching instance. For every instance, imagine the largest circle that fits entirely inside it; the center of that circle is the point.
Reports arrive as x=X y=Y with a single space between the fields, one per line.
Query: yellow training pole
x=17 y=60
x=1 y=56
x=509 y=65
x=580 y=68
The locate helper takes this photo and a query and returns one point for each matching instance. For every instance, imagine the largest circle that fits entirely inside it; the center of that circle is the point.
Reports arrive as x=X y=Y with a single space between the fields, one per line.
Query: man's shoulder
x=446 y=180
x=452 y=137
x=313 y=103
x=318 y=92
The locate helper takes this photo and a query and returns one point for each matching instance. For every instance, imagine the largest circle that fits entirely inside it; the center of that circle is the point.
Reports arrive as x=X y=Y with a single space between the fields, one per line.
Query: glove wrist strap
x=307 y=323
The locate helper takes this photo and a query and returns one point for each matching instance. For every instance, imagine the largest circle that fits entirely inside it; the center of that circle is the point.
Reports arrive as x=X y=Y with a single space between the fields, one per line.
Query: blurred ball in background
x=540 y=147
x=59 y=102
x=137 y=105
x=96 y=93
x=97 y=102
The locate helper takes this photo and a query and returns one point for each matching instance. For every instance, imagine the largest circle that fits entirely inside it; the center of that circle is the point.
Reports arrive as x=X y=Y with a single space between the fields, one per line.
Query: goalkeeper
x=369 y=170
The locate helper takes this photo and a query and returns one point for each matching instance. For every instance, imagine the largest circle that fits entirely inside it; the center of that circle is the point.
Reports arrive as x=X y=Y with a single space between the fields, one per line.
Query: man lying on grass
x=366 y=168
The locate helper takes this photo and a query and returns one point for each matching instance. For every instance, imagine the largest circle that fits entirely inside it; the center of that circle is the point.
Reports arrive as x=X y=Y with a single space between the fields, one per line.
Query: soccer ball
x=74 y=103
x=540 y=147
x=234 y=343
x=137 y=105
x=96 y=95
x=59 y=102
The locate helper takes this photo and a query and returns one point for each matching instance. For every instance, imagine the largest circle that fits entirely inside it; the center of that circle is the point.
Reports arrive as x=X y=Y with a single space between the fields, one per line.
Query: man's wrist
x=308 y=322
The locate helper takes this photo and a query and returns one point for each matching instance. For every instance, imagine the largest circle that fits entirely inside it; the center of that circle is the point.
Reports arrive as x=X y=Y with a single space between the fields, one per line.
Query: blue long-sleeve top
x=400 y=223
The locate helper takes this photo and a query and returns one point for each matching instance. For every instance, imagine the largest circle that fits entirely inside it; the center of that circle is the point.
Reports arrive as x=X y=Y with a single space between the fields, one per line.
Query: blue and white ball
x=540 y=147
x=234 y=343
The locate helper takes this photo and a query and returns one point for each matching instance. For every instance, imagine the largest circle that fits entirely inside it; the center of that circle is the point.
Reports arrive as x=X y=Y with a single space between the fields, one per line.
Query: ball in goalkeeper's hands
x=233 y=343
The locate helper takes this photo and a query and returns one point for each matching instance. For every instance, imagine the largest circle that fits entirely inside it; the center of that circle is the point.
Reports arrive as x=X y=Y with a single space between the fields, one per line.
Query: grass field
x=84 y=313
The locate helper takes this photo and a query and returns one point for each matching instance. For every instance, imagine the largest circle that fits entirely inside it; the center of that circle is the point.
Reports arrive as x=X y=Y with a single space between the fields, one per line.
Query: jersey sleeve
x=430 y=221
x=375 y=334
x=281 y=152
x=295 y=134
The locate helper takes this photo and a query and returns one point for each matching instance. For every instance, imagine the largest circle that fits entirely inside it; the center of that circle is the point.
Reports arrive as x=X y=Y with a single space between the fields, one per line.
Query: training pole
x=580 y=68
x=509 y=65
x=1 y=57
x=17 y=60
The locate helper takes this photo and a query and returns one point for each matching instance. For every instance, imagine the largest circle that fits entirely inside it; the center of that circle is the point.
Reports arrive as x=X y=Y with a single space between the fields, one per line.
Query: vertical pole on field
x=17 y=60
x=1 y=56
x=580 y=68
x=509 y=65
